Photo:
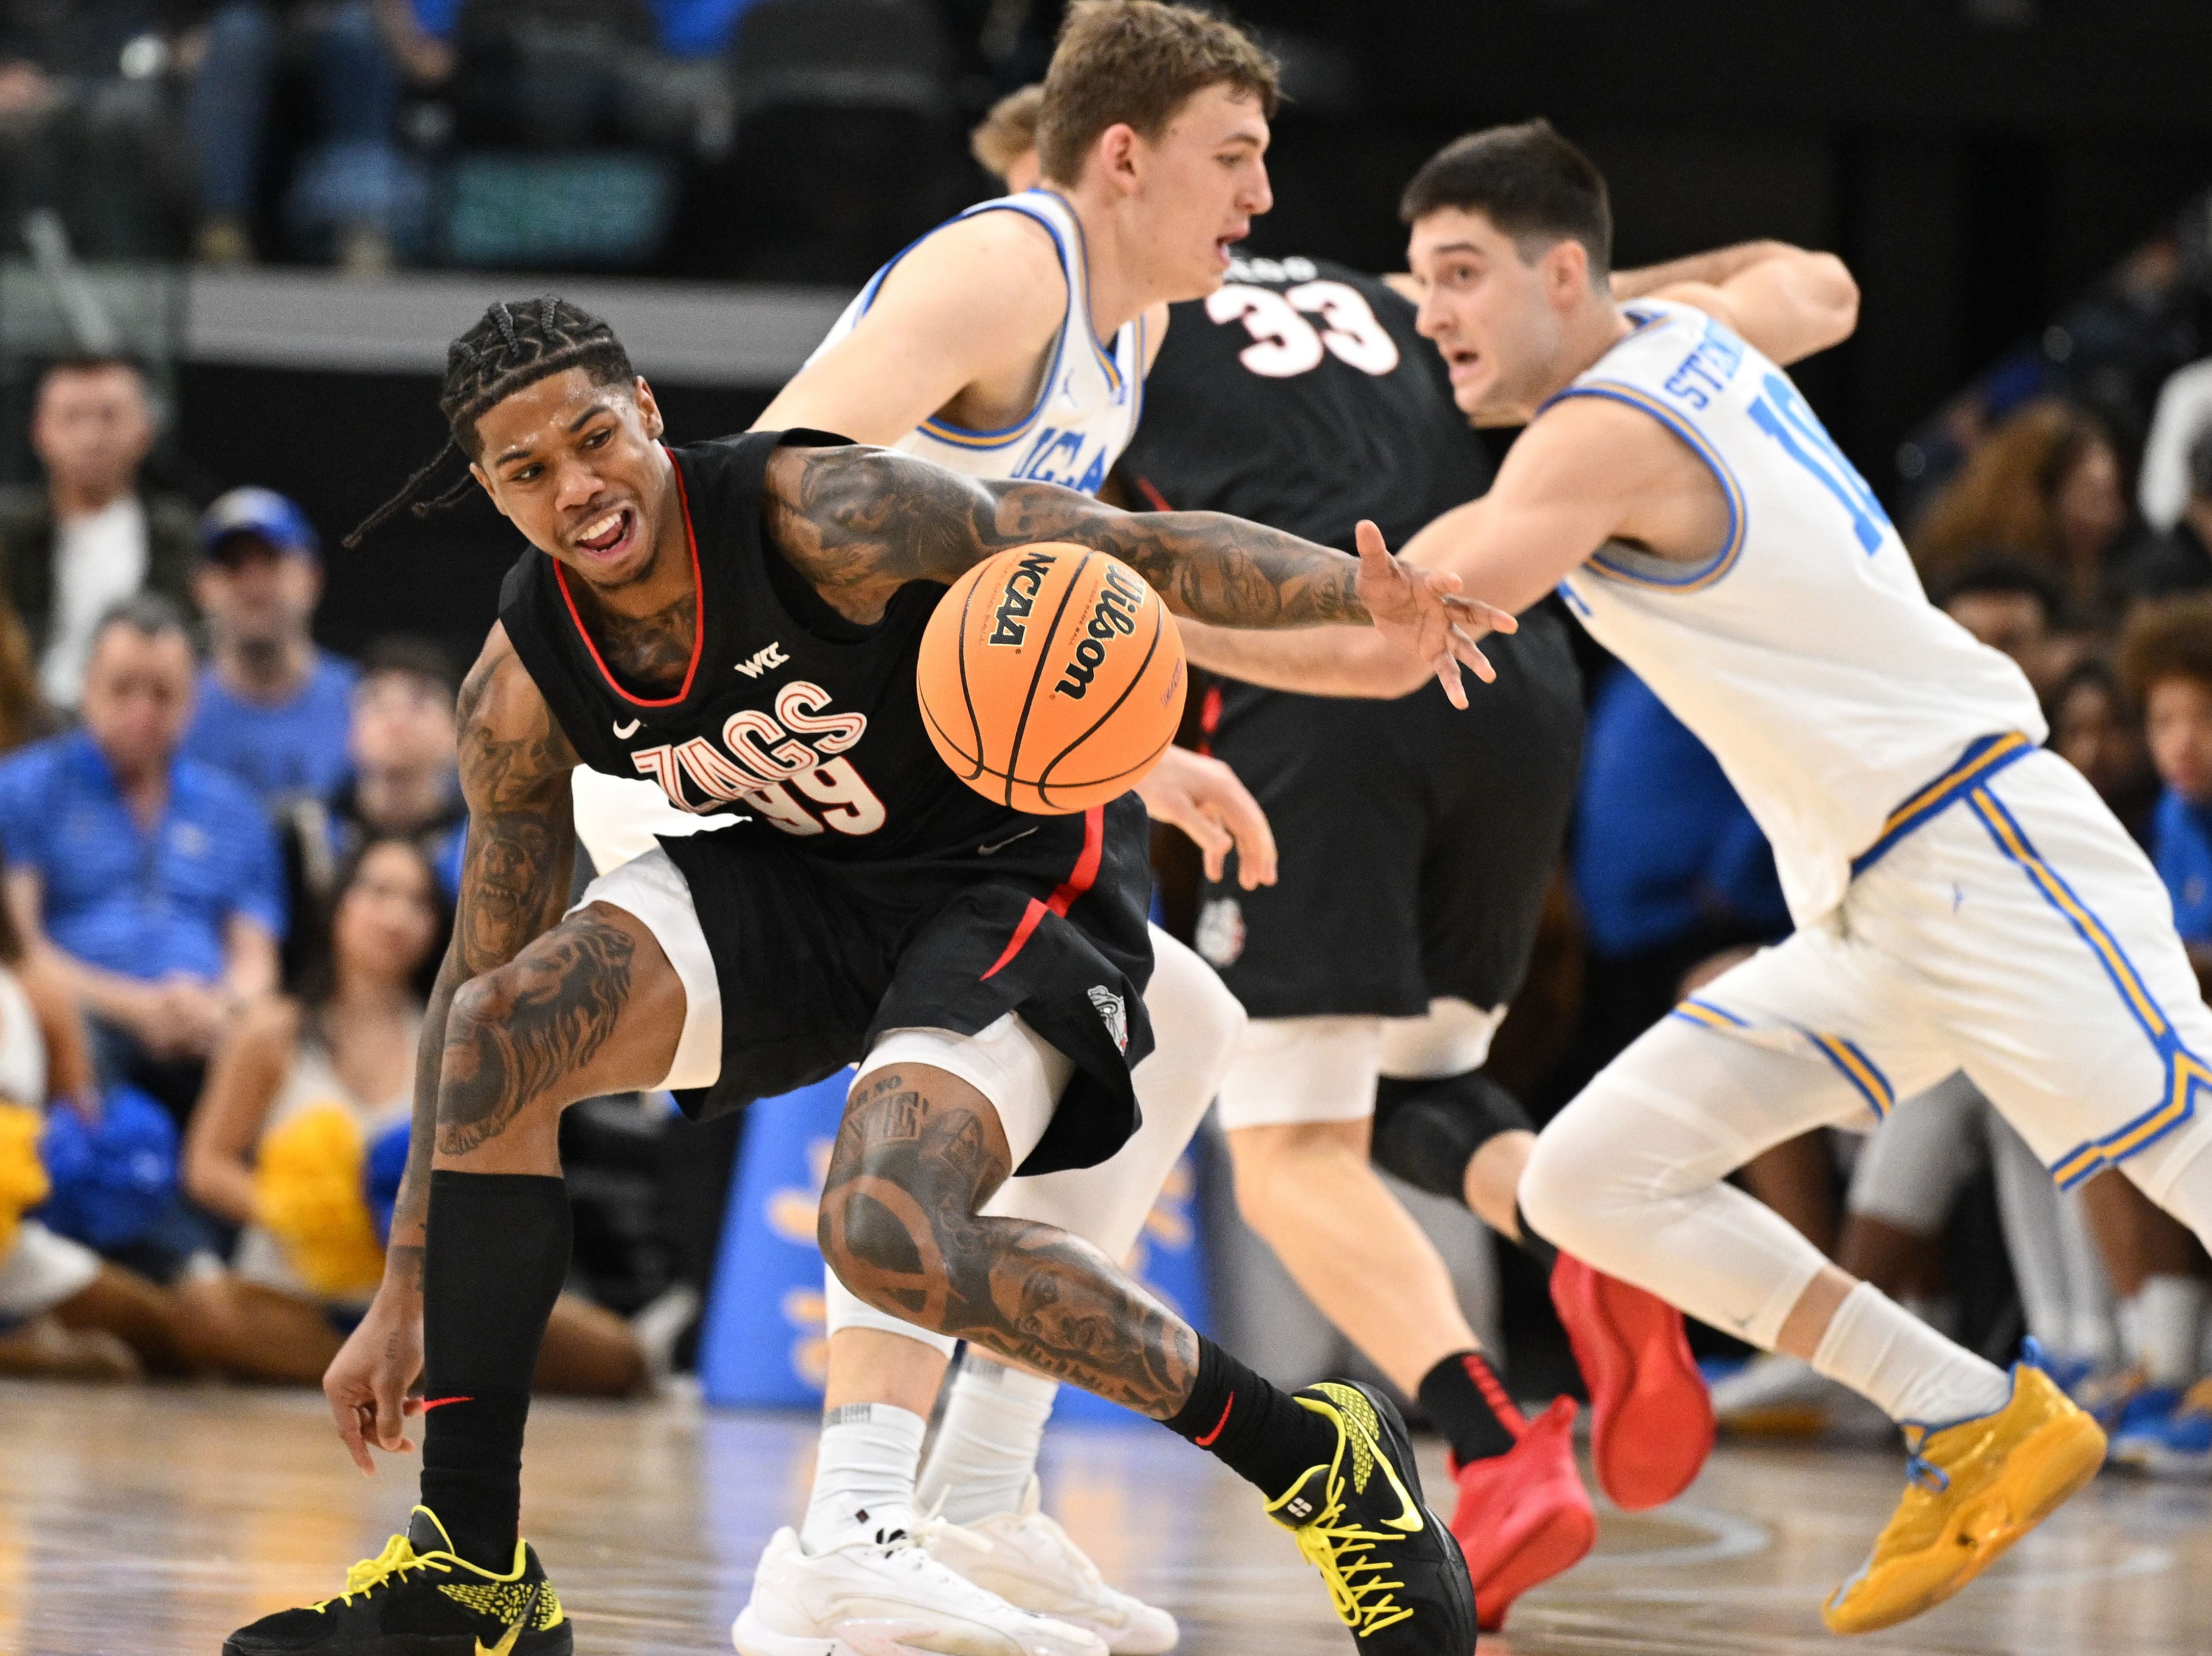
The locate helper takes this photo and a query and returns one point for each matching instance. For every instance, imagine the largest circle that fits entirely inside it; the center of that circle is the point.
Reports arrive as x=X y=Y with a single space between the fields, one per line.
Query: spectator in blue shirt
x=2166 y=658
x=274 y=709
x=150 y=881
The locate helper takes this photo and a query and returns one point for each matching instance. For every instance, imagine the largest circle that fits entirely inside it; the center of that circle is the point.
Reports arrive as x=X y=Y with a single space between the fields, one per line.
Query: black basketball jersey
x=1295 y=358
x=787 y=711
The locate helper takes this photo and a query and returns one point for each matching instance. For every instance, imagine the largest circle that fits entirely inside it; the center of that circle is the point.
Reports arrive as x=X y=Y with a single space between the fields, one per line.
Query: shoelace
x=398 y=1557
x=1335 y=1551
x=935 y=1528
x=1921 y=1472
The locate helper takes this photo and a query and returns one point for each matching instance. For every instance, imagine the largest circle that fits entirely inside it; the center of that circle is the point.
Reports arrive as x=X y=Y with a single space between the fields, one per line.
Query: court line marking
x=1732 y=1536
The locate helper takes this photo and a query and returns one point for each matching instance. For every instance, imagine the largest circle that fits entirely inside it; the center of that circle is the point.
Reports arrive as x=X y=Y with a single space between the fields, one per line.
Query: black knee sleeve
x=1427 y=1131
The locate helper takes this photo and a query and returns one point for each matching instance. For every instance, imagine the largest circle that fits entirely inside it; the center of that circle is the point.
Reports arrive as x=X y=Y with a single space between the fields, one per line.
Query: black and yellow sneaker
x=417 y=1598
x=1394 y=1573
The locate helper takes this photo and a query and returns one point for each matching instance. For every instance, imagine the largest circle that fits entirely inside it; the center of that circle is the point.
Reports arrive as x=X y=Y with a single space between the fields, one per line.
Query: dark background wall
x=1978 y=162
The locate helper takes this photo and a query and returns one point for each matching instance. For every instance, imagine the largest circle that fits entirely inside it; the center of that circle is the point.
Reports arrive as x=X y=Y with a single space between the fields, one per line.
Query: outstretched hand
x=1421 y=610
x=1203 y=798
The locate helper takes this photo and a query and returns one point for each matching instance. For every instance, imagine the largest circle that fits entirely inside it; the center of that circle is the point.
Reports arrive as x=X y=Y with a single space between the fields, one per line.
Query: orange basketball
x=1051 y=678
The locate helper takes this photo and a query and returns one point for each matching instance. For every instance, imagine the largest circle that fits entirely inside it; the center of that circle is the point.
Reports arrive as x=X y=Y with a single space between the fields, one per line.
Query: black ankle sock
x=493 y=1263
x=1533 y=1245
x=1253 y=1427
x=1470 y=1408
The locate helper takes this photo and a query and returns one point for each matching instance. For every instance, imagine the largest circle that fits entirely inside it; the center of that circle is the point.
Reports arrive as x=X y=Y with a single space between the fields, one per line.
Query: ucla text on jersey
x=1088 y=398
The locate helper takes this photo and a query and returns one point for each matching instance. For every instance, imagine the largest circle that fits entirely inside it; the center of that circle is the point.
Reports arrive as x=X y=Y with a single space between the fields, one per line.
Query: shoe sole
x=1398 y=1444
x=1554 y=1547
x=2067 y=1458
x=749 y=1638
x=557 y=1641
x=884 y=1637
x=1649 y=1442
x=1024 y=1593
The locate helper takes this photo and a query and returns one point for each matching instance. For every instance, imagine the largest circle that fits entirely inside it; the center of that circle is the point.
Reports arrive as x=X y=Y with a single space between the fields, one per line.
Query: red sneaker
x=1522 y=1516
x=1651 y=1418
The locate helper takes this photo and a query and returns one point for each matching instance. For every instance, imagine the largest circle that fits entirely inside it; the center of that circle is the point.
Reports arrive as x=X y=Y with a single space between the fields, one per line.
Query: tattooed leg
x=920 y=1152
x=591 y=1007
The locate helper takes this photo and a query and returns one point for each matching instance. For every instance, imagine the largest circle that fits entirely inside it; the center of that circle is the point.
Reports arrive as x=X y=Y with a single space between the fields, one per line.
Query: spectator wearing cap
x=274 y=709
x=2180 y=560
x=92 y=537
x=150 y=880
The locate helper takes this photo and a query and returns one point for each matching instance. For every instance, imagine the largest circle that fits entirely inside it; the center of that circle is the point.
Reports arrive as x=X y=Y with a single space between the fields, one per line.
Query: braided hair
x=511 y=346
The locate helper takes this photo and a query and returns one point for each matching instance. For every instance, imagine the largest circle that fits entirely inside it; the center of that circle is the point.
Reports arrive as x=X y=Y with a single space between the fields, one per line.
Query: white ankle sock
x=987 y=1444
x=864 y=1469
x=1912 y=1374
x=2169 y=1312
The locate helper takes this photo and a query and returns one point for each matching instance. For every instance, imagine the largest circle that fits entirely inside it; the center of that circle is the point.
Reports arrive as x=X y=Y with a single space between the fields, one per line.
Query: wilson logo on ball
x=1019 y=597
x=1119 y=599
x=1051 y=678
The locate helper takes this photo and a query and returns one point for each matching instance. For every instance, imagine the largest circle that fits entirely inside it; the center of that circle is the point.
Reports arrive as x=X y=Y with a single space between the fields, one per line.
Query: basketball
x=1051 y=678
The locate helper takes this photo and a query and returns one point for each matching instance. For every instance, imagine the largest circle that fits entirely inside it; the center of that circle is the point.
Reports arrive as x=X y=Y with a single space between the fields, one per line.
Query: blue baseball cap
x=262 y=513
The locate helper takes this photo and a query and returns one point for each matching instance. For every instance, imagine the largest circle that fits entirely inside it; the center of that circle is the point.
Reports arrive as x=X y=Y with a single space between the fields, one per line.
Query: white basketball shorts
x=2015 y=931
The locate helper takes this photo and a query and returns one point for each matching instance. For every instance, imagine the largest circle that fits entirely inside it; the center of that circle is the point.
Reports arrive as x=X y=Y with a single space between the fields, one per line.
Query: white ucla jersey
x=1086 y=404
x=1803 y=652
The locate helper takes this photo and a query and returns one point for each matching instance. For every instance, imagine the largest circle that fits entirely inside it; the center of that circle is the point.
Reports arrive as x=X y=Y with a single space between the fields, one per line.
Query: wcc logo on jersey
x=762 y=659
x=1119 y=599
x=1018 y=597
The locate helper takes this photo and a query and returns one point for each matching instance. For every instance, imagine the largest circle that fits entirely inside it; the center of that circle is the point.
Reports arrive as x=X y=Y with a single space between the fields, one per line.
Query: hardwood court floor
x=155 y=1520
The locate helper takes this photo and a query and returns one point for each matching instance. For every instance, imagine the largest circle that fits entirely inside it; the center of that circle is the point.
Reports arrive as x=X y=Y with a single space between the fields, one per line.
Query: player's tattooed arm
x=899 y=1225
x=860 y=522
x=515 y=763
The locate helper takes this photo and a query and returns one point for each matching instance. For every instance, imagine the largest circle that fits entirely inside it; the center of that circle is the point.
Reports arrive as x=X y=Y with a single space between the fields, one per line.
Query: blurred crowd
x=229 y=860
x=513 y=133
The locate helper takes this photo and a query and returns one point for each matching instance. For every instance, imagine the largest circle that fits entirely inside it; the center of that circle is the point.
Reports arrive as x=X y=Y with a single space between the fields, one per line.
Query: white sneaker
x=879 y=1593
x=1027 y=1559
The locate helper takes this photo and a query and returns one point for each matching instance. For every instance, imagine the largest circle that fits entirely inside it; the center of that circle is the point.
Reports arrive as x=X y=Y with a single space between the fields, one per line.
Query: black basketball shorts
x=1416 y=841
x=793 y=965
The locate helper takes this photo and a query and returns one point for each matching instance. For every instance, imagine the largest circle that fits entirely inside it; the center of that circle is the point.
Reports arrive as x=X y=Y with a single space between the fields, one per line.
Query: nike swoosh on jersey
x=623 y=732
x=506 y=1645
x=985 y=851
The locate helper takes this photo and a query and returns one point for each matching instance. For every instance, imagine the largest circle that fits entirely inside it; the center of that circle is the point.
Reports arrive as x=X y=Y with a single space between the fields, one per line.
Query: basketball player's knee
x=1569 y=1189
x=1426 y=1131
x=481 y=1077
x=868 y=1245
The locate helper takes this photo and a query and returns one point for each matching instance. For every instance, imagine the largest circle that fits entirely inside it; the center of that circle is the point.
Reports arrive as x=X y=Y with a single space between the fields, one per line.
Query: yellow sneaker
x=1394 y=1574
x=1974 y=1489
